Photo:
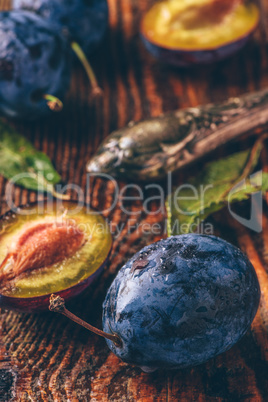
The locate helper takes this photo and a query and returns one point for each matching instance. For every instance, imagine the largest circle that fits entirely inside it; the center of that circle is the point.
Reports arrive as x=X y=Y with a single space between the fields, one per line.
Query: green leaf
x=22 y=164
x=219 y=183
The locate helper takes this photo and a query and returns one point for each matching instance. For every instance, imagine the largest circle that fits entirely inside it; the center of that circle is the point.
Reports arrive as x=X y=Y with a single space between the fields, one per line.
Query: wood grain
x=44 y=357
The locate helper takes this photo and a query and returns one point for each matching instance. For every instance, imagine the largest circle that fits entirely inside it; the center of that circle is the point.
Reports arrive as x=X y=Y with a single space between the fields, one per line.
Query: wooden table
x=45 y=357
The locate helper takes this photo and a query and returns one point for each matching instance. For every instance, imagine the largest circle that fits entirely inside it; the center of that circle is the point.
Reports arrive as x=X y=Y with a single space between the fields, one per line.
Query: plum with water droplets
x=177 y=303
x=180 y=302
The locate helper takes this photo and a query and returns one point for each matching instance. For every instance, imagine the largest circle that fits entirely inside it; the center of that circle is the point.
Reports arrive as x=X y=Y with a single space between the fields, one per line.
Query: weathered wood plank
x=47 y=358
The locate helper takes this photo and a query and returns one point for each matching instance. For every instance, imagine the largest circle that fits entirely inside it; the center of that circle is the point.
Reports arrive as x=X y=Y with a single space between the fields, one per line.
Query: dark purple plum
x=34 y=61
x=180 y=302
x=82 y=21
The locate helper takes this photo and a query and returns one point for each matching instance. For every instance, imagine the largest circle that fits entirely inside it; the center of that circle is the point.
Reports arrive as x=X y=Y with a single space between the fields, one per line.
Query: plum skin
x=190 y=58
x=196 y=297
x=34 y=60
x=82 y=21
x=41 y=303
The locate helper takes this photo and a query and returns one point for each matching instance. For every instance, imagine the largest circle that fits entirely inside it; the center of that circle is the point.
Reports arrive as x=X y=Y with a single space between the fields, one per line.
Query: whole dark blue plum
x=180 y=302
x=34 y=60
x=82 y=21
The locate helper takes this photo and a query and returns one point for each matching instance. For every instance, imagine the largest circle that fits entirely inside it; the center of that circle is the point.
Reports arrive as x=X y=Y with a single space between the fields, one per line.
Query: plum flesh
x=50 y=248
x=178 y=33
x=180 y=302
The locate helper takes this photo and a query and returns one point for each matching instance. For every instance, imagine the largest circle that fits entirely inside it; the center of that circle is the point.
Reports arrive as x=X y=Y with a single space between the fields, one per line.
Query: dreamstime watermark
x=149 y=199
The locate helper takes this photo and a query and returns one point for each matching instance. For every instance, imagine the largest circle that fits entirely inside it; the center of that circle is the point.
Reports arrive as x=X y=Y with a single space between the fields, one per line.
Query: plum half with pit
x=180 y=302
x=35 y=65
x=81 y=21
x=187 y=33
x=48 y=249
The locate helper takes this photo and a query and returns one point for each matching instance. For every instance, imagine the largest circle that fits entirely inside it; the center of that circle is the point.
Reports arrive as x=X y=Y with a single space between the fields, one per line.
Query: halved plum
x=50 y=248
x=192 y=32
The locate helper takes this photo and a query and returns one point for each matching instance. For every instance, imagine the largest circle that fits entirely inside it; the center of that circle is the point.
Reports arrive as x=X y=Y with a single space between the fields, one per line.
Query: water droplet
x=167 y=267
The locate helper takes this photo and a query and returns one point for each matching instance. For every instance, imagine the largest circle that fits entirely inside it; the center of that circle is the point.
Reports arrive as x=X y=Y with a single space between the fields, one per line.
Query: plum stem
x=54 y=103
x=96 y=90
x=57 y=304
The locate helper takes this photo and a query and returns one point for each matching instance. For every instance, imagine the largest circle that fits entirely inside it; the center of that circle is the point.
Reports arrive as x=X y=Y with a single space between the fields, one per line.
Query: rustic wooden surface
x=44 y=357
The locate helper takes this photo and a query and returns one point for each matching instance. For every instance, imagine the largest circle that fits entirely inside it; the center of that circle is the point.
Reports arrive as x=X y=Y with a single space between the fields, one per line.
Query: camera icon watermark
x=256 y=202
